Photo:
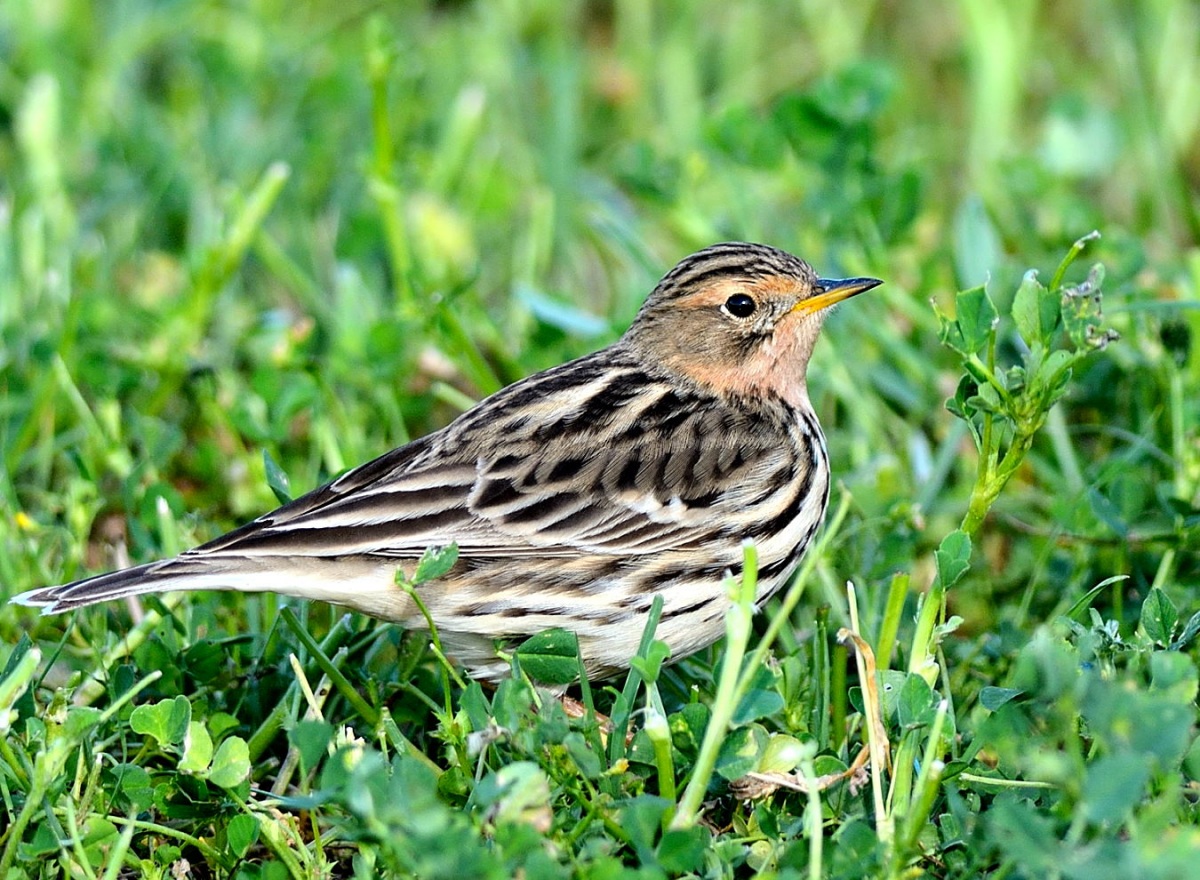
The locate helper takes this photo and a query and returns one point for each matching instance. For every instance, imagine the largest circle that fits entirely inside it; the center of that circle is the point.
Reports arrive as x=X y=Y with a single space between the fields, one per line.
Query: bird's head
x=739 y=318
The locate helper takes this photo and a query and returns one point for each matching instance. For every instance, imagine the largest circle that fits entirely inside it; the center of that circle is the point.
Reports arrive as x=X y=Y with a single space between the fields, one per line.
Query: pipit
x=577 y=495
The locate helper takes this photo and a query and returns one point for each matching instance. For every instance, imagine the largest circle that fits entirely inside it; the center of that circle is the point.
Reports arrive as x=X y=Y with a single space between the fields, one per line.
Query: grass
x=247 y=247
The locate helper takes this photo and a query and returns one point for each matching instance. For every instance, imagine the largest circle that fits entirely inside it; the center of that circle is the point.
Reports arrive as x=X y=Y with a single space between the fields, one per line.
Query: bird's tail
x=153 y=577
x=365 y=584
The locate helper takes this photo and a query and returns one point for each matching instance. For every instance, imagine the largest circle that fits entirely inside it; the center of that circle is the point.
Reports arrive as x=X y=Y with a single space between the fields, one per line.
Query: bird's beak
x=829 y=291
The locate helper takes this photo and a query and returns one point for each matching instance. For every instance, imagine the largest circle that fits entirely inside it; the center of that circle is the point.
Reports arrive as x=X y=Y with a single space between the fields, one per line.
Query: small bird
x=577 y=495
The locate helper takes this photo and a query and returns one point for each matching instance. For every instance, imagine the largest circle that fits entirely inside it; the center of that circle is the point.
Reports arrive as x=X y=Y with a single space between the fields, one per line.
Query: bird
x=574 y=496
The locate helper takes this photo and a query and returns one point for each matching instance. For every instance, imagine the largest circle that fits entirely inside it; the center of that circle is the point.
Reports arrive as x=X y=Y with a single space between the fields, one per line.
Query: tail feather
x=366 y=584
x=153 y=577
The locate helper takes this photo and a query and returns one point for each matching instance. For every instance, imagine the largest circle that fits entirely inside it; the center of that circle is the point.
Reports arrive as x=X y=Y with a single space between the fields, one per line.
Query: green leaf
x=80 y=719
x=740 y=133
x=1141 y=723
x=241 y=833
x=197 y=749
x=518 y=792
x=758 y=703
x=949 y=333
x=976 y=317
x=1191 y=760
x=987 y=399
x=962 y=404
x=740 y=751
x=1173 y=672
x=828 y=765
x=977 y=251
x=166 y=855
x=231 y=763
x=853 y=95
x=953 y=557
x=682 y=850
x=891 y=683
x=435 y=562
x=44 y=841
x=550 y=657
x=477 y=706
x=1046 y=667
x=16 y=700
x=1015 y=377
x=167 y=720
x=1027 y=834
x=1159 y=616
x=1035 y=310
x=650 y=665
x=311 y=739
x=1188 y=634
x=1106 y=511
x=1113 y=787
x=205 y=659
x=1084 y=602
x=992 y=698
x=560 y=313
x=581 y=753
x=98 y=832
x=915 y=706
x=220 y=723
x=133 y=783
x=277 y=479
x=511 y=703
x=1054 y=375
x=1081 y=312
x=688 y=725
x=784 y=753
x=641 y=817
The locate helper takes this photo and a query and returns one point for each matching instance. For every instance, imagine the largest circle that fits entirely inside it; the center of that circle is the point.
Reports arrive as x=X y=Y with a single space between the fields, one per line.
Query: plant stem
x=737 y=635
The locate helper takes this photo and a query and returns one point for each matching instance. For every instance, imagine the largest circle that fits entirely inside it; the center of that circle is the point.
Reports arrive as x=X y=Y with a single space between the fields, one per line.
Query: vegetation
x=245 y=246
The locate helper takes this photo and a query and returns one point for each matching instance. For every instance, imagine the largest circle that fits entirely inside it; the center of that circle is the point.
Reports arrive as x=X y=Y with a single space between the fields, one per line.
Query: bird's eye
x=740 y=305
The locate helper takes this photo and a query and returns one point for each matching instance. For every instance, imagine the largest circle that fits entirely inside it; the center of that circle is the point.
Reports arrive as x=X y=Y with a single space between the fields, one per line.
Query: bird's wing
x=500 y=489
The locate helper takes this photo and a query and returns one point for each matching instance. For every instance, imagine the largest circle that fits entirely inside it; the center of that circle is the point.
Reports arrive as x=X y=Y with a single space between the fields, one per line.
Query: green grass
x=306 y=233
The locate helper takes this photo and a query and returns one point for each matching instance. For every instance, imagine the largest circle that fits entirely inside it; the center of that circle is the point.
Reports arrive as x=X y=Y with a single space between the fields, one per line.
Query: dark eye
x=740 y=305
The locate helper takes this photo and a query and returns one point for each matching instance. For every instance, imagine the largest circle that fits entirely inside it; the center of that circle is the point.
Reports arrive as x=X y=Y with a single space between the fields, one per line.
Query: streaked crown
x=730 y=260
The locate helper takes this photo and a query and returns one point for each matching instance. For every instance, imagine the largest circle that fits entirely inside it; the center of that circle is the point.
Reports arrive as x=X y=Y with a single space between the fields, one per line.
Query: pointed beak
x=829 y=291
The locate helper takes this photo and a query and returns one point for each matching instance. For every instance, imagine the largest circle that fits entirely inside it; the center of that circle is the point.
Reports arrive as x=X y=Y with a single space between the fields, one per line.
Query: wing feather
x=635 y=467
